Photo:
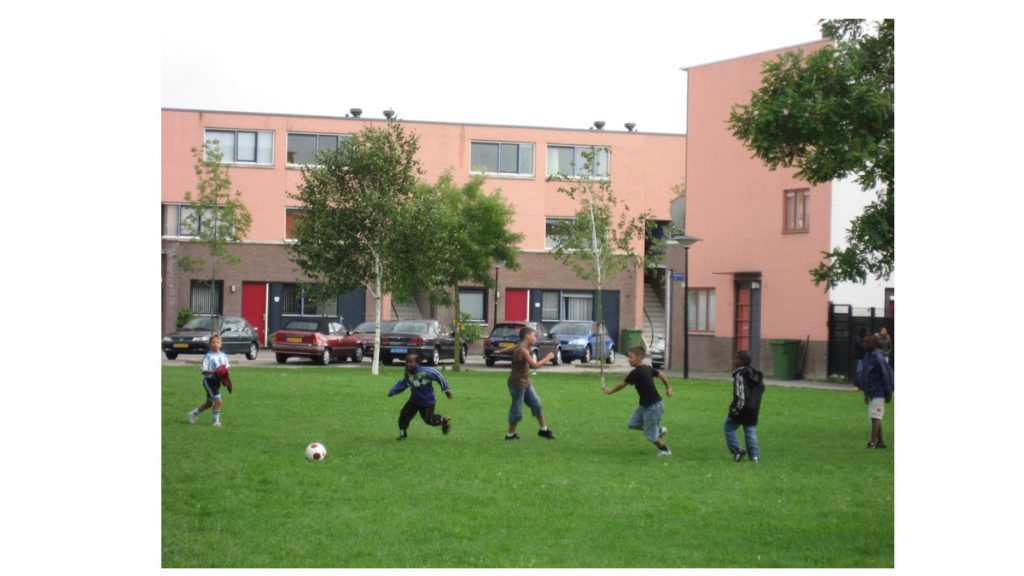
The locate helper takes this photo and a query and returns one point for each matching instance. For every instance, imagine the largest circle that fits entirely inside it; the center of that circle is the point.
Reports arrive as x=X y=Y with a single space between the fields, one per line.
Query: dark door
x=748 y=318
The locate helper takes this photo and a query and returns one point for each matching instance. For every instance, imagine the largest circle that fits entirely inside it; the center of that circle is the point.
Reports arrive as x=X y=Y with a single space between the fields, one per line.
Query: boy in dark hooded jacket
x=747 y=389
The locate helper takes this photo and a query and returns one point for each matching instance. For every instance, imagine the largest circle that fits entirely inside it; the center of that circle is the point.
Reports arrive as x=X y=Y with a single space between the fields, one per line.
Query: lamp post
x=686 y=241
x=494 y=320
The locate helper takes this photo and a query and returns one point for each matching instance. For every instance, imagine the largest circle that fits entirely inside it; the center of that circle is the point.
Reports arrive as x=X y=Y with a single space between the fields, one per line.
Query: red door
x=742 y=317
x=254 y=307
x=515 y=305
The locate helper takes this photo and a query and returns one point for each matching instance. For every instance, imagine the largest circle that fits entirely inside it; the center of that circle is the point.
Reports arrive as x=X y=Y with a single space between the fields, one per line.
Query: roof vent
x=389 y=113
x=631 y=126
x=599 y=124
x=355 y=112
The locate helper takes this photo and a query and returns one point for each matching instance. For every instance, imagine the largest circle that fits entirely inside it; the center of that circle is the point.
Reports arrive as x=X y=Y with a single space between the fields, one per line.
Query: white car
x=657 y=352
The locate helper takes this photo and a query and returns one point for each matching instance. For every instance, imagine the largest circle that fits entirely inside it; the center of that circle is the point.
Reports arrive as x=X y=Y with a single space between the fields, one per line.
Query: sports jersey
x=421 y=381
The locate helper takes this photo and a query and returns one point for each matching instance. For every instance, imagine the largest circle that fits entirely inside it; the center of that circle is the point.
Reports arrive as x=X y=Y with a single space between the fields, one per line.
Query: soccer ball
x=316 y=452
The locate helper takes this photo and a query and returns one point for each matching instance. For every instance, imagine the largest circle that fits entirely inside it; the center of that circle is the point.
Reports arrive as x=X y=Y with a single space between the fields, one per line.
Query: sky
x=563 y=64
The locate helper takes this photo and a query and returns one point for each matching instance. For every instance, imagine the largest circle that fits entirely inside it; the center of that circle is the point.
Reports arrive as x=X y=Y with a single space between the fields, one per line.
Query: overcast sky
x=537 y=63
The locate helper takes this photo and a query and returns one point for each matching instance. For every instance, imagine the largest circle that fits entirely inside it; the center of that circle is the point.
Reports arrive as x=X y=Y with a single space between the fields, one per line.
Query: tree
x=598 y=243
x=469 y=234
x=216 y=218
x=831 y=115
x=355 y=216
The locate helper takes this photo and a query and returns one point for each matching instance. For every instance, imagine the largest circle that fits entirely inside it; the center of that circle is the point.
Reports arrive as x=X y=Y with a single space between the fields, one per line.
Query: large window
x=203 y=300
x=303 y=148
x=551 y=231
x=798 y=217
x=243 y=147
x=472 y=301
x=578 y=306
x=701 y=309
x=572 y=162
x=501 y=158
x=184 y=220
x=550 y=309
x=291 y=217
x=297 y=301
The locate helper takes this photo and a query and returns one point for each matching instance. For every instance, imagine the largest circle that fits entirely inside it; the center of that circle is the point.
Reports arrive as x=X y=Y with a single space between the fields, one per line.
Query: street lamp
x=686 y=241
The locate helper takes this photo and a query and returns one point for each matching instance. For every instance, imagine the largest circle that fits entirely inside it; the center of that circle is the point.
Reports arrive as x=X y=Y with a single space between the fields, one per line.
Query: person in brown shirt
x=520 y=387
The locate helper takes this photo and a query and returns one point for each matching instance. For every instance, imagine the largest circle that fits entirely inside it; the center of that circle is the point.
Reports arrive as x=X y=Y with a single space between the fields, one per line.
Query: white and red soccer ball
x=316 y=452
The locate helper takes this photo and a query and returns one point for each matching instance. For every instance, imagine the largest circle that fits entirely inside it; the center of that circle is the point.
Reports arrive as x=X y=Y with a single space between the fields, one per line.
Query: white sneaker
x=216 y=424
x=666 y=452
x=662 y=432
x=191 y=417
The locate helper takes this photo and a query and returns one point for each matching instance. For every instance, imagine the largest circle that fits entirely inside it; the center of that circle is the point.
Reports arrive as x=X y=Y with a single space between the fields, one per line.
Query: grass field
x=244 y=496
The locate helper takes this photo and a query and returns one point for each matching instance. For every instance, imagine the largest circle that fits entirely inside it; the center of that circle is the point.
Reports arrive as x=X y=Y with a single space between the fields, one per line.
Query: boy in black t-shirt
x=647 y=416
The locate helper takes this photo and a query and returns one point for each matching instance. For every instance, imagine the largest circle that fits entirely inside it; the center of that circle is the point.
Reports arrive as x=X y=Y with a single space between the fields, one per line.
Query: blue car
x=579 y=341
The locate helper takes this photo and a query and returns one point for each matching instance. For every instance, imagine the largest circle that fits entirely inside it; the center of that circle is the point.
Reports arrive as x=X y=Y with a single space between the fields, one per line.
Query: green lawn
x=244 y=496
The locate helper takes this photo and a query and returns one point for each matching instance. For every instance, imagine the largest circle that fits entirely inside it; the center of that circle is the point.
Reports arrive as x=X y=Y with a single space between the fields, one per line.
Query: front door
x=748 y=318
x=515 y=305
x=254 y=307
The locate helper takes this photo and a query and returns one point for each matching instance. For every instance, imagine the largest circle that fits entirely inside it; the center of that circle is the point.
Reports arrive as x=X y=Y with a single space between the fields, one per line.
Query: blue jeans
x=519 y=396
x=750 y=433
x=648 y=419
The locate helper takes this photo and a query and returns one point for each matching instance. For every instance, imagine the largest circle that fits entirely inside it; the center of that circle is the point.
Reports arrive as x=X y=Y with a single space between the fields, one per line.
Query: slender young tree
x=216 y=218
x=598 y=244
x=469 y=234
x=354 y=219
x=830 y=115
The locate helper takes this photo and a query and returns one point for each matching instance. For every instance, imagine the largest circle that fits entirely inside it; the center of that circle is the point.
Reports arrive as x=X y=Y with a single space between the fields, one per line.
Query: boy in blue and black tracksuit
x=421 y=398
x=747 y=389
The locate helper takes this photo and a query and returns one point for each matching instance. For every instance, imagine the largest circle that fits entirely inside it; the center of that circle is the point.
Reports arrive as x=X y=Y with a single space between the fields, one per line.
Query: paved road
x=618 y=368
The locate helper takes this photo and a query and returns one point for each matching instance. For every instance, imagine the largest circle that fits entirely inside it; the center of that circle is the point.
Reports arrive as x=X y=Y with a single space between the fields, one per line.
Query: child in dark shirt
x=647 y=416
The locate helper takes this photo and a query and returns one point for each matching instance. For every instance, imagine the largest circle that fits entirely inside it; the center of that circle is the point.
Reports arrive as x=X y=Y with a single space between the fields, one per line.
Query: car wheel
x=385 y=359
x=586 y=356
x=558 y=357
x=254 y=350
x=325 y=358
x=171 y=355
x=435 y=358
x=611 y=356
x=536 y=355
x=358 y=356
x=465 y=354
x=489 y=362
x=281 y=358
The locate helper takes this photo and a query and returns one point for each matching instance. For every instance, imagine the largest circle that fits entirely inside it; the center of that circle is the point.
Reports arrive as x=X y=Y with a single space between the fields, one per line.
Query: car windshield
x=412 y=327
x=303 y=325
x=506 y=331
x=204 y=323
x=368 y=327
x=571 y=329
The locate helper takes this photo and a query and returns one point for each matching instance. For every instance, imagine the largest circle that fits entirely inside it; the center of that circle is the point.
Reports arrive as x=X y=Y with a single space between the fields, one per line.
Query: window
x=291 y=217
x=501 y=158
x=472 y=301
x=578 y=306
x=243 y=147
x=297 y=302
x=551 y=231
x=202 y=300
x=303 y=148
x=571 y=162
x=549 y=308
x=701 y=309
x=184 y=220
x=798 y=216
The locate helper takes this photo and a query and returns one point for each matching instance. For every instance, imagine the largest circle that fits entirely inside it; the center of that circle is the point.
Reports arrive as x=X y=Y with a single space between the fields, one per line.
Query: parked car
x=505 y=336
x=657 y=353
x=424 y=337
x=365 y=334
x=579 y=341
x=322 y=339
x=237 y=337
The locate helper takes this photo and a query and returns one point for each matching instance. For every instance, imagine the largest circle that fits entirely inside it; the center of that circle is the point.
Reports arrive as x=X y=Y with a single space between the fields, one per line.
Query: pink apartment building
x=266 y=151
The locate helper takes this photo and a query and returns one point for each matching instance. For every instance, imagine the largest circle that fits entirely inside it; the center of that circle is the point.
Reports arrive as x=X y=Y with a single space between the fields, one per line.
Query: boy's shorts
x=876 y=408
x=212 y=386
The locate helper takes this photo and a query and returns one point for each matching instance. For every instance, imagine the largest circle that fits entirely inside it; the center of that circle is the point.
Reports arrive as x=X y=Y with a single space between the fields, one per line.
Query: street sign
x=678 y=277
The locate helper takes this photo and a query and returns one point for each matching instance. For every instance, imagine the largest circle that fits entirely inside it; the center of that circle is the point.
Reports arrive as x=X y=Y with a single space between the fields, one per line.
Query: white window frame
x=341 y=138
x=577 y=163
x=207 y=137
x=551 y=242
x=520 y=147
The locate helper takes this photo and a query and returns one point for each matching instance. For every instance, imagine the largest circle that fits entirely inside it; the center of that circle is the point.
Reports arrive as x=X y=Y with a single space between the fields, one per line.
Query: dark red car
x=365 y=332
x=322 y=339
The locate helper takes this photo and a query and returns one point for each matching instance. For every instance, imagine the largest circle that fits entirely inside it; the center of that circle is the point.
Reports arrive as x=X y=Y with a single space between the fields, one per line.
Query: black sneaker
x=402 y=436
x=446 y=424
x=546 y=434
x=512 y=437
x=739 y=454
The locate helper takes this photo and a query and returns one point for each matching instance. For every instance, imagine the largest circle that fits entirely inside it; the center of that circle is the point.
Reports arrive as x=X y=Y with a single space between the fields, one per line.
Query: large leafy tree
x=831 y=115
x=468 y=235
x=216 y=218
x=355 y=218
x=598 y=243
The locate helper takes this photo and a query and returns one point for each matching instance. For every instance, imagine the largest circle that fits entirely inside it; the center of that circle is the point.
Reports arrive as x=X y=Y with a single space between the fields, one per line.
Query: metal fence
x=847 y=327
